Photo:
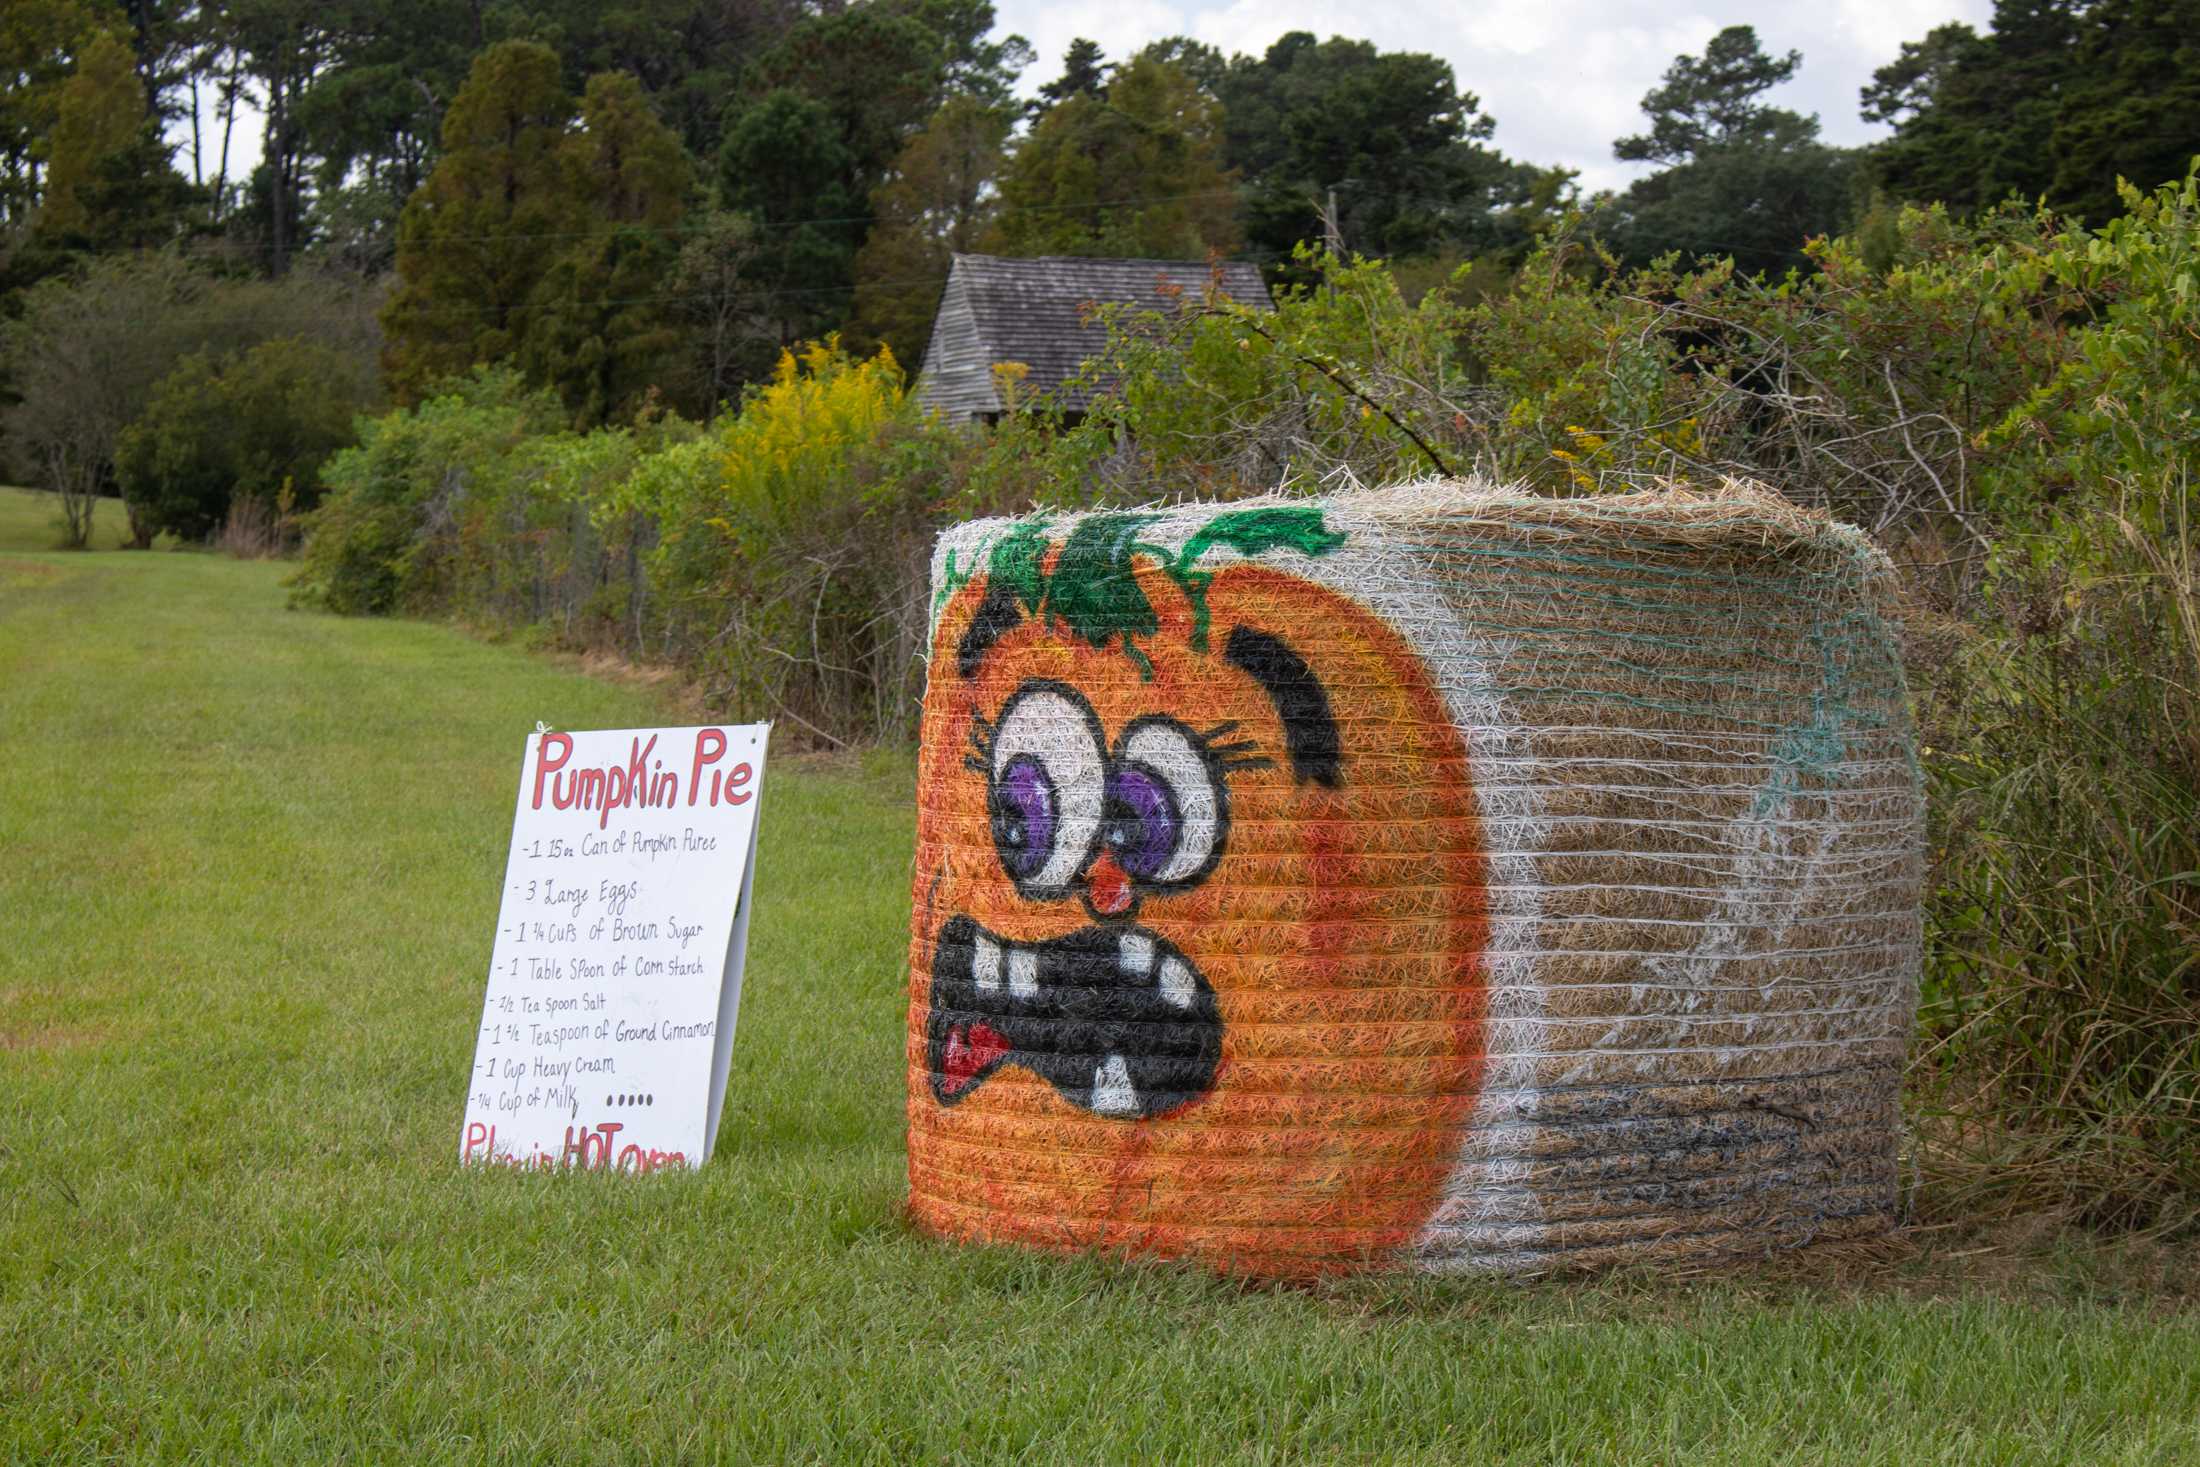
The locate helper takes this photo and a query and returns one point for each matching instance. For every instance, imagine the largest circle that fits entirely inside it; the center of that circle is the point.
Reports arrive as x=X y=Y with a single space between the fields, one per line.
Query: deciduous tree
x=227 y=426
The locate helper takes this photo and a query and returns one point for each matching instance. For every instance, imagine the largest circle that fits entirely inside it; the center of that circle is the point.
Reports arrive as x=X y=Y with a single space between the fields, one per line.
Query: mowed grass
x=249 y=861
x=31 y=520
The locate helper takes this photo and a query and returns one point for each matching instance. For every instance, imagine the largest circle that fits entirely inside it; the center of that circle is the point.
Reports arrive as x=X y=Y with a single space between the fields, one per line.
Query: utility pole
x=1332 y=243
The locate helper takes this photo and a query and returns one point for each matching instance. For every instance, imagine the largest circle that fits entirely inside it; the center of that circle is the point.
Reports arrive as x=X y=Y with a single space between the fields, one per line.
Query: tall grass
x=2064 y=1006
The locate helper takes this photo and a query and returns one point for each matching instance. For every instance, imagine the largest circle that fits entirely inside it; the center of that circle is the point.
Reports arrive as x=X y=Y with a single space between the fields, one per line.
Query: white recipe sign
x=616 y=975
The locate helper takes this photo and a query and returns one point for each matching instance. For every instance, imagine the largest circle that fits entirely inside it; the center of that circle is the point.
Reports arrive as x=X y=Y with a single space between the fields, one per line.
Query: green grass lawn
x=249 y=863
x=31 y=520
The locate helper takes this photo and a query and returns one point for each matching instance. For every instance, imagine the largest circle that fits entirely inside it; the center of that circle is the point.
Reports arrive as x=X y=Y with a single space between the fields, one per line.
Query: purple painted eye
x=1024 y=816
x=1143 y=824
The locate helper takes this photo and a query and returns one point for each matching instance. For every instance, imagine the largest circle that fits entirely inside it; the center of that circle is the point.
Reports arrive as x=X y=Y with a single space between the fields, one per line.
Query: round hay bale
x=1442 y=877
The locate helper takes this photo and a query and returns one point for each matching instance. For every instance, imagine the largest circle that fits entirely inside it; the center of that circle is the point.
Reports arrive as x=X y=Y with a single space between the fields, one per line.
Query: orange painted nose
x=1107 y=889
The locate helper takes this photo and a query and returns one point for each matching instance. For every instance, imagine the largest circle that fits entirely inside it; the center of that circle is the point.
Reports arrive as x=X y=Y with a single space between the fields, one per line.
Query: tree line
x=641 y=206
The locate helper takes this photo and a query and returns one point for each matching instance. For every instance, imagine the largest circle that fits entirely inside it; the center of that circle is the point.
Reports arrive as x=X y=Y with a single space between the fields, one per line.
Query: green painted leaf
x=1093 y=588
x=1015 y=564
x=1248 y=532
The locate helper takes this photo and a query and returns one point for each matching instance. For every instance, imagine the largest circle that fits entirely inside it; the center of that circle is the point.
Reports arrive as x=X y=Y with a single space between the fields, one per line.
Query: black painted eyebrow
x=997 y=616
x=1309 y=728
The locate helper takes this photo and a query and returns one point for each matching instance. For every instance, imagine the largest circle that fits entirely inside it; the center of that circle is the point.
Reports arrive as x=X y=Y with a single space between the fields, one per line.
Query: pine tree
x=1084 y=74
x=40 y=41
x=937 y=203
x=1710 y=101
x=1136 y=173
x=97 y=147
x=1745 y=181
x=600 y=328
x=1982 y=110
x=787 y=165
x=2131 y=107
x=476 y=239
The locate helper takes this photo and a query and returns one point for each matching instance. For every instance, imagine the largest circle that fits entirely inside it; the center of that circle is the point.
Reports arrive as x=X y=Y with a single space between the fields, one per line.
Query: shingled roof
x=1033 y=311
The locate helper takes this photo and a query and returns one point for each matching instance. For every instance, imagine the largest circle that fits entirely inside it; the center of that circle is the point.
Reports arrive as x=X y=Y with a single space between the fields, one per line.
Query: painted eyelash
x=980 y=759
x=1237 y=754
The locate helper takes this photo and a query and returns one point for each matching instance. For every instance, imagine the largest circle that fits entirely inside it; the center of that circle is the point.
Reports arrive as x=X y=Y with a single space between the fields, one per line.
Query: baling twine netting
x=1441 y=876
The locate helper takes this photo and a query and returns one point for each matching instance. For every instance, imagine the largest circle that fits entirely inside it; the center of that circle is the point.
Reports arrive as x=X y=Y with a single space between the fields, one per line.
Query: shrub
x=796 y=569
x=2065 y=953
x=253 y=425
x=87 y=350
x=1219 y=399
x=386 y=534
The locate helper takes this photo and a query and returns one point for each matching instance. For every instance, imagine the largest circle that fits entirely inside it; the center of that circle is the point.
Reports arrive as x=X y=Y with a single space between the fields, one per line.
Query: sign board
x=616 y=974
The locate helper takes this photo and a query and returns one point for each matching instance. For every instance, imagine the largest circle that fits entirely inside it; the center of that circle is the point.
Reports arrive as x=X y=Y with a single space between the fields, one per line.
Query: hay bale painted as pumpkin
x=1442 y=877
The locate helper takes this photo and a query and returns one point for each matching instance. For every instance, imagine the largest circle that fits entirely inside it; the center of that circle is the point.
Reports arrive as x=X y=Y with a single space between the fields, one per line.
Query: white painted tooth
x=1023 y=972
x=985 y=964
x=1135 y=954
x=1112 y=1094
x=1177 y=984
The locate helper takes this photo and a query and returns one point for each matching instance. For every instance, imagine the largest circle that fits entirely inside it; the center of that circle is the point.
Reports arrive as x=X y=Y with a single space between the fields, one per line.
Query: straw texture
x=1441 y=877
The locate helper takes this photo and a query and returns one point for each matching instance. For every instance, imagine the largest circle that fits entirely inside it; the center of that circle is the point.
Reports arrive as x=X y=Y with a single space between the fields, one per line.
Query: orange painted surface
x=1342 y=931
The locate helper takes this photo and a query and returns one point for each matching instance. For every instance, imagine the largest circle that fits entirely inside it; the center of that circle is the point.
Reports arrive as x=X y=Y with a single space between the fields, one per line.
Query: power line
x=697 y=228
x=743 y=297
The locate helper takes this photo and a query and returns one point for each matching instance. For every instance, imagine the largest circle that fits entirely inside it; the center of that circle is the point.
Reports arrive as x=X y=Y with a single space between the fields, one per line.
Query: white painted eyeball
x=1165 y=804
x=1047 y=787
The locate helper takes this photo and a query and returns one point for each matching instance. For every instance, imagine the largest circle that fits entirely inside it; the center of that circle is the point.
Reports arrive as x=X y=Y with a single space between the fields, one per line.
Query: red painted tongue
x=970 y=1048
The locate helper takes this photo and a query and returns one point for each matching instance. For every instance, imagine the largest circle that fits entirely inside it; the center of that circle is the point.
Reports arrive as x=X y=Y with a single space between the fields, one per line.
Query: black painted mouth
x=1114 y=1017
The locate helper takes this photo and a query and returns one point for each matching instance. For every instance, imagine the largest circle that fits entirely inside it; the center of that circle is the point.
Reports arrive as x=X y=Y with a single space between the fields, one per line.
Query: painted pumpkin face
x=1199 y=922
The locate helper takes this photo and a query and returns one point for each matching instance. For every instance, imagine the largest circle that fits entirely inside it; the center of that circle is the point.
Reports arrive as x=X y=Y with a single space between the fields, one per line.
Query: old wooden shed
x=1036 y=312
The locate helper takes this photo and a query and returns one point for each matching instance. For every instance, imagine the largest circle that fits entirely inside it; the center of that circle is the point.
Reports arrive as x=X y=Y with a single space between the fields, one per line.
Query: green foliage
x=543 y=236
x=775 y=554
x=1084 y=74
x=88 y=348
x=714 y=288
x=39 y=40
x=255 y=425
x=388 y=533
x=2065 y=922
x=1220 y=399
x=2130 y=108
x=98 y=115
x=1136 y=172
x=799 y=563
x=787 y=165
x=1389 y=131
x=1758 y=203
x=2117 y=426
x=2057 y=101
x=476 y=239
x=831 y=108
x=1710 y=101
x=937 y=202
x=877 y=71
x=1743 y=181
x=600 y=331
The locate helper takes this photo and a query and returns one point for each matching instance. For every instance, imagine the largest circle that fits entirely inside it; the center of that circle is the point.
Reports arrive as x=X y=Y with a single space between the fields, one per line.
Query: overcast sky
x=1563 y=78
